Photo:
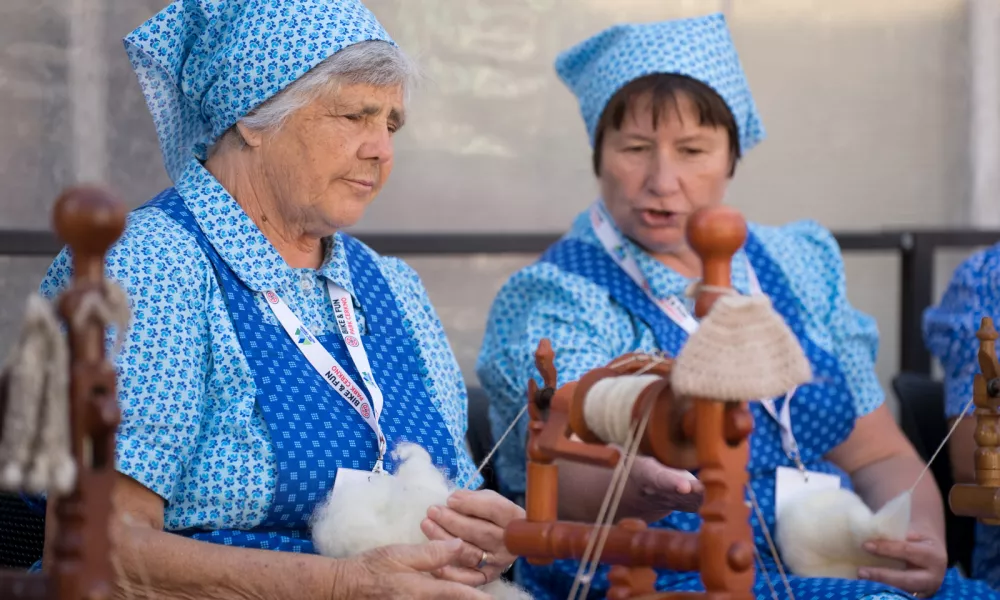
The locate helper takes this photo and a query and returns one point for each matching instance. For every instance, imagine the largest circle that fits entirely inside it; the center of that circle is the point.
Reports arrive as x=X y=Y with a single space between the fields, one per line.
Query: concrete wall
x=864 y=102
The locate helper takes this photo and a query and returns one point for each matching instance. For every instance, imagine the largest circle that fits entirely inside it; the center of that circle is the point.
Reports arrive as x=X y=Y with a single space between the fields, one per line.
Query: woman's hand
x=402 y=571
x=654 y=490
x=479 y=519
x=926 y=562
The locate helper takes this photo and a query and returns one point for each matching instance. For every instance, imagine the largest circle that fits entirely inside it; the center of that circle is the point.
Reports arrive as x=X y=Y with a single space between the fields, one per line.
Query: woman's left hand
x=479 y=519
x=926 y=562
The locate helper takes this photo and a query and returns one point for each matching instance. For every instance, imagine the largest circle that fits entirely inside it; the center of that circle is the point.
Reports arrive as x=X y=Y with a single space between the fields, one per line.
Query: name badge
x=353 y=478
x=791 y=483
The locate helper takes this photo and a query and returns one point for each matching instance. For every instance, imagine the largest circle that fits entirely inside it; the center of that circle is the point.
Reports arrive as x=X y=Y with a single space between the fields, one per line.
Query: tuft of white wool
x=820 y=533
x=382 y=510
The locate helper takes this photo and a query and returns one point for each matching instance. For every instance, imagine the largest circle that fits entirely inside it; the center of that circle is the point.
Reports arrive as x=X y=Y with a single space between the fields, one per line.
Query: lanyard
x=327 y=365
x=676 y=310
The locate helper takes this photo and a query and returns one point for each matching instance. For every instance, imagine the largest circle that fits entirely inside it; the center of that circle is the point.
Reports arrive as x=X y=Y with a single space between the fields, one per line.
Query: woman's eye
x=635 y=148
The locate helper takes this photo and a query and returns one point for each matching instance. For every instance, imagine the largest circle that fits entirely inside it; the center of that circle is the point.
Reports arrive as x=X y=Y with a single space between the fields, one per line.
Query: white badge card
x=349 y=481
x=790 y=483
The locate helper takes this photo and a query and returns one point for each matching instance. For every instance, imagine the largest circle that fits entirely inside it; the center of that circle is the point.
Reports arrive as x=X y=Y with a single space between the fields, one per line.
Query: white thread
x=763 y=570
x=630 y=456
x=942 y=445
x=770 y=542
x=496 y=446
x=607 y=408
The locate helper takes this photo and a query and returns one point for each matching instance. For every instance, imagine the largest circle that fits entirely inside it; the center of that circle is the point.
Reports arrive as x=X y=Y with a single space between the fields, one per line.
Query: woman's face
x=653 y=178
x=329 y=159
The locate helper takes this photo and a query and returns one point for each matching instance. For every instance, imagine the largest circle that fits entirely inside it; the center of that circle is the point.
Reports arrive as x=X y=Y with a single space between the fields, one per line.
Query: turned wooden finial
x=89 y=220
x=545 y=360
x=715 y=234
x=988 y=335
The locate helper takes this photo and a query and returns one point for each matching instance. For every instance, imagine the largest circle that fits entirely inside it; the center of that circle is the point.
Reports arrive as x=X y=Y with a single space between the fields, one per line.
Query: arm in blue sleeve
x=164 y=360
x=586 y=331
x=950 y=327
x=816 y=269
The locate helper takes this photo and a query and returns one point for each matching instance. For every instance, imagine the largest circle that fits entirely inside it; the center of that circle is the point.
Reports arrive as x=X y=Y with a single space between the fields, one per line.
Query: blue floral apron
x=313 y=430
x=823 y=417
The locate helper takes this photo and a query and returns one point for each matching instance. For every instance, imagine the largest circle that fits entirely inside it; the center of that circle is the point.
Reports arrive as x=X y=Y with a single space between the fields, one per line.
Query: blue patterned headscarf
x=698 y=47
x=205 y=64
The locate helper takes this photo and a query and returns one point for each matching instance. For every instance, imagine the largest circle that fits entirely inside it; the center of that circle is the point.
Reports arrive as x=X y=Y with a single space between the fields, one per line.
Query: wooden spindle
x=89 y=220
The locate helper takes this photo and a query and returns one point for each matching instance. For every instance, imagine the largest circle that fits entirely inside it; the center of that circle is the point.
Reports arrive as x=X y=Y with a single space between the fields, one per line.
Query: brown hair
x=665 y=88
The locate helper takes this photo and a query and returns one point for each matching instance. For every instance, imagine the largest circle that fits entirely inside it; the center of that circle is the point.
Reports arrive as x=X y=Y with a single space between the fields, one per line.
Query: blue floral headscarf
x=698 y=47
x=205 y=64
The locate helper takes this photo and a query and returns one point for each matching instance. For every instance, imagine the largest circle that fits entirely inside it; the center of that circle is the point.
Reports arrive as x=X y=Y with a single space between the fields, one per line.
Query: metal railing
x=915 y=248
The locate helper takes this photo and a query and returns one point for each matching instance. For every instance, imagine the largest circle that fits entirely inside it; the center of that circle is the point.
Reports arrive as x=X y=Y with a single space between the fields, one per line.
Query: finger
x=484 y=534
x=914 y=553
x=486 y=505
x=426 y=588
x=471 y=577
x=469 y=556
x=912 y=581
x=426 y=557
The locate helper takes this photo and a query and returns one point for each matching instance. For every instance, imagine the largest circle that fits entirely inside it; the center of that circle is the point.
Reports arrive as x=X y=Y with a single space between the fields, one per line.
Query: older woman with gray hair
x=270 y=354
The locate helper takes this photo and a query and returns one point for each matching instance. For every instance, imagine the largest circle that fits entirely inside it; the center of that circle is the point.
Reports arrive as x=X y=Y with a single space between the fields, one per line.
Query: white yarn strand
x=629 y=458
x=619 y=393
x=770 y=542
x=496 y=446
x=942 y=444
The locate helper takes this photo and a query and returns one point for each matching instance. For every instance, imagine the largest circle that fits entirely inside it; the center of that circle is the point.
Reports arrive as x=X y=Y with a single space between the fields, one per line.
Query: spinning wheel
x=573 y=422
x=89 y=220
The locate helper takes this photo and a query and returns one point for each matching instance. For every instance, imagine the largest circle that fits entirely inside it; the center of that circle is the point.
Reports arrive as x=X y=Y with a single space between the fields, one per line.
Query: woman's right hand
x=403 y=571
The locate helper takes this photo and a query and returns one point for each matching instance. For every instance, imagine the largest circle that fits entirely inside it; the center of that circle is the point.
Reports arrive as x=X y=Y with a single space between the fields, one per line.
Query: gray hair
x=374 y=62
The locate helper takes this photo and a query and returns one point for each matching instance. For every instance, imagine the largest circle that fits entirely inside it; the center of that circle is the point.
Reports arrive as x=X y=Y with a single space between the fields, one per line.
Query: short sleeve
x=163 y=362
x=950 y=327
x=442 y=374
x=810 y=257
x=586 y=331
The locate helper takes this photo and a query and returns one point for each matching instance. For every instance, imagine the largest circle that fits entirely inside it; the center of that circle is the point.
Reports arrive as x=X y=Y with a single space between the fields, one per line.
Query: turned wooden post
x=982 y=499
x=726 y=538
x=89 y=220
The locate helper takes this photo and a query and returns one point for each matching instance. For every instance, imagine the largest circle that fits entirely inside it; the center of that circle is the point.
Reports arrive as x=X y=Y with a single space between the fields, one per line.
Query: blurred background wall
x=866 y=104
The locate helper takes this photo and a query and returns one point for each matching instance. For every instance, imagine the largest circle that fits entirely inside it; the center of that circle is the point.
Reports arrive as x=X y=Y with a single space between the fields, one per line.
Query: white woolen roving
x=819 y=534
x=388 y=510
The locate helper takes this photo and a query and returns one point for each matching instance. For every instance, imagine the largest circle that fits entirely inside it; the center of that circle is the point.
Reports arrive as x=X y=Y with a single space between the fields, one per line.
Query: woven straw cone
x=742 y=351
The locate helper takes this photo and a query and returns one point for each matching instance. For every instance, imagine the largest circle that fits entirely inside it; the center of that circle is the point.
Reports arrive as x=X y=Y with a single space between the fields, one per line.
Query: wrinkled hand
x=926 y=562
x=479 y=519
x=653 y=491
x=404 y=572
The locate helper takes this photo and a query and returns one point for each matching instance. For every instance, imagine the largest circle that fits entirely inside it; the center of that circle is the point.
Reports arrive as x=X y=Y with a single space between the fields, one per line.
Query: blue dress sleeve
x=586 y=331
x=950 y=327
x=441 y=373
x=164 y=359
x=810 y=257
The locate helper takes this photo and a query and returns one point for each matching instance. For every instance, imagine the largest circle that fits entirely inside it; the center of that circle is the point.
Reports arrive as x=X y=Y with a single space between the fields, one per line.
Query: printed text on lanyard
x=327 y=366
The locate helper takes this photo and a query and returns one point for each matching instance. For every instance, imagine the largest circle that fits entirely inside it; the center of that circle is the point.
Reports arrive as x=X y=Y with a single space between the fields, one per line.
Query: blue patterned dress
x=593 y=312
x=950 y=333
x=222 y=416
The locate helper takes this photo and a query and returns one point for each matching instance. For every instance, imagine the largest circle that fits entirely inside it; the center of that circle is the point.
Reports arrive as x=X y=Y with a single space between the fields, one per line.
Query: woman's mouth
x=362 y=184
x=660 y=218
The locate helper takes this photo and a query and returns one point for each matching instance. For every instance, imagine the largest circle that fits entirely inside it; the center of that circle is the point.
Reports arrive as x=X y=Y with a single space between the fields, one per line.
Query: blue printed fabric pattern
x=200 y=423
x=699 y=47
x=823 y=412
x=538 y=300
x=205 y=64
x=950 y=334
